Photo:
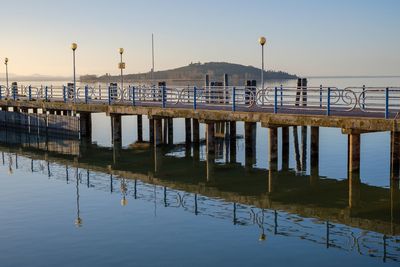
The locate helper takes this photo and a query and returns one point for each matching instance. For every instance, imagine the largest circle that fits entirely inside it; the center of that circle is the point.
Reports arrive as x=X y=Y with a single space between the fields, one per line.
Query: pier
x=355 y=111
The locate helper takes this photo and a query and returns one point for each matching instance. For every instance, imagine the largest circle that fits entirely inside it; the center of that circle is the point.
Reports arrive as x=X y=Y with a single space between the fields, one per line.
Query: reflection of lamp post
x=74 y=46
x=78 y=220
x=124 y=189
x=262 y=42
x=121 y=66
x=6 y=63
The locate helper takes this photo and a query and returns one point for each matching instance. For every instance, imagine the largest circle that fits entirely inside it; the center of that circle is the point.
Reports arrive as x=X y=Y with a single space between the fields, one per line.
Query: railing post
x=363 y=97
x=320 y=96
x=276 y=100
x=387 y=103
x=29 y=93
x=86 y=94
x=164 y=97
x=194 y=98
x=281 y=92
x=45 y=93
x=133 y=96
x=328 y=111
x=109 y=95
x=0 y=92
x=14 y=92
x=65 y=93
x=233 y=98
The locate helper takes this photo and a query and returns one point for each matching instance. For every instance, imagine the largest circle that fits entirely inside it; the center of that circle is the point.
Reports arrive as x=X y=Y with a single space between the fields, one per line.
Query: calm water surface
x=86 y=204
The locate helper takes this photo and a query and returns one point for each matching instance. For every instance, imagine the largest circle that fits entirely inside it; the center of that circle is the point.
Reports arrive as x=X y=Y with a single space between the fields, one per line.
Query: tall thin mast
x=152 y=59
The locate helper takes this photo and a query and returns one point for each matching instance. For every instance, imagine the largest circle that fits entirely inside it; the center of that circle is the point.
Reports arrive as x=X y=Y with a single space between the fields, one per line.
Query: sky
x=304 y=37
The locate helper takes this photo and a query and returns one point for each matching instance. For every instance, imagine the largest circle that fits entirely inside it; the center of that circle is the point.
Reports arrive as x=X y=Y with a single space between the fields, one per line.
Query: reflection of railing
x=317 y=100
x=269 y=222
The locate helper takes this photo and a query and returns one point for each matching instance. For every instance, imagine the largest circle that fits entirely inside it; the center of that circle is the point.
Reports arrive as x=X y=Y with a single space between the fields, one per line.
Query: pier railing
x=364 y=101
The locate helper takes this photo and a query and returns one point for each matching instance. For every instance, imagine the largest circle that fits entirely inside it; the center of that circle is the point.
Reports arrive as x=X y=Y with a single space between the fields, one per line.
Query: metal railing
x=308 y=100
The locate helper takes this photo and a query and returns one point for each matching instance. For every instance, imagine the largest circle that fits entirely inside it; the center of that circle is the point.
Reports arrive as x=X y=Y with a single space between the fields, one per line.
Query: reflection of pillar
x=85 y=122
x=285 y=148
x=314 y=154
x=304 y=148
x=210 y=166
x=188 y=131
x=139 y=128
x=116 y=128
x=210 y=138
x=158 y=137
x=157 y=159
x=395 y=154
x=250 y=130
x=151 y=131
x=354 y=189
x=394 y=205
x=196 y=131
x=232 y=141
x=170 y=131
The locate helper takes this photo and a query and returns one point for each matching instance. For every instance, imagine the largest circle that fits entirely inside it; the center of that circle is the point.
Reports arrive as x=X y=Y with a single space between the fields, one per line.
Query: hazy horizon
x=306 y=38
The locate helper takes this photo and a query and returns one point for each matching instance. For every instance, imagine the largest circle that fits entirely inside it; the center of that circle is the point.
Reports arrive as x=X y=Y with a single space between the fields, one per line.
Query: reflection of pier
x=267 y=199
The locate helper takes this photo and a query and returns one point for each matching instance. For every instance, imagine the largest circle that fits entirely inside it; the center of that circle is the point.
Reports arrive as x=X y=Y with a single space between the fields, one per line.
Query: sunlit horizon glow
x=303 y=37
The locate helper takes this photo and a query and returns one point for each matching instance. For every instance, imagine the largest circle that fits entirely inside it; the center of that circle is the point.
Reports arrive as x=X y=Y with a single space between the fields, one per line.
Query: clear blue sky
x=309 y=37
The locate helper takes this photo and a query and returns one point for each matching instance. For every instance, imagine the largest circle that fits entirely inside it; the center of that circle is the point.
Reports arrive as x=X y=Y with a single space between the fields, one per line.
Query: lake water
x=89 y=204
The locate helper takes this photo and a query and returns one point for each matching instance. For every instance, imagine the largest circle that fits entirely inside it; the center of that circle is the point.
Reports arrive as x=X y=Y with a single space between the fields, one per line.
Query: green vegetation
x=194 y=74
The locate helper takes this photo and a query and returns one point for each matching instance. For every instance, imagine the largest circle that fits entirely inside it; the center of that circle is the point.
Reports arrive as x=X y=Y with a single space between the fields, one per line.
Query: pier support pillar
x=285 y=148
x=170 y=131
x=158 y=130
x=232 y=141
x=188 y=131
x=116 y=128
x=304 y=131
x=85 y=122
x=354 y=141
x=139 y=128
x=395 y=154
x=273 y=148
x=210 y=137
x=394 y=205
x=314 y=154
x=196 y=131
x=250 y=135
x=151 y=131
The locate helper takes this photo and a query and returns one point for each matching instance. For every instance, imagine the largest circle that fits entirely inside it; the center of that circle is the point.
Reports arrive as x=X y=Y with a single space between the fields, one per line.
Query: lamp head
x=262 y=40
x=74 y=46
x=121 y=50
x=6 y=60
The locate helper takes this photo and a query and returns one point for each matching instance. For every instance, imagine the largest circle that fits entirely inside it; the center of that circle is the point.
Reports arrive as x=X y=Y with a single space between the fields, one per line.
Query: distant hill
x=194 y=74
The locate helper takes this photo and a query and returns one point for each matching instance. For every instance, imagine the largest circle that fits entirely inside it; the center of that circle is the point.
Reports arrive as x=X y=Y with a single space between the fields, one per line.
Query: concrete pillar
x=273 y=157
x=314 y=154
x=354 y=152
x=250 y=129
x=285 y=148
x=196 y=131
x=188 y=130
x=210 y=138
x=139 y=128
x=296 y=148
x=232 y=141
x=273 y=148
x=158 y=136
x=165 y=131
x=85 y=122
x=151 y=131
x=170 y=131
x=304 y=131
x=116 y=128
x=395 y=154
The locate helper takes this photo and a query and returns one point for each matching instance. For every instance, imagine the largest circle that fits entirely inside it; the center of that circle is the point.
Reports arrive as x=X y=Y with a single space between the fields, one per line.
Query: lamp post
x=262 y=42
x=74 y=46
x=6 y=63
x=122 y=66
